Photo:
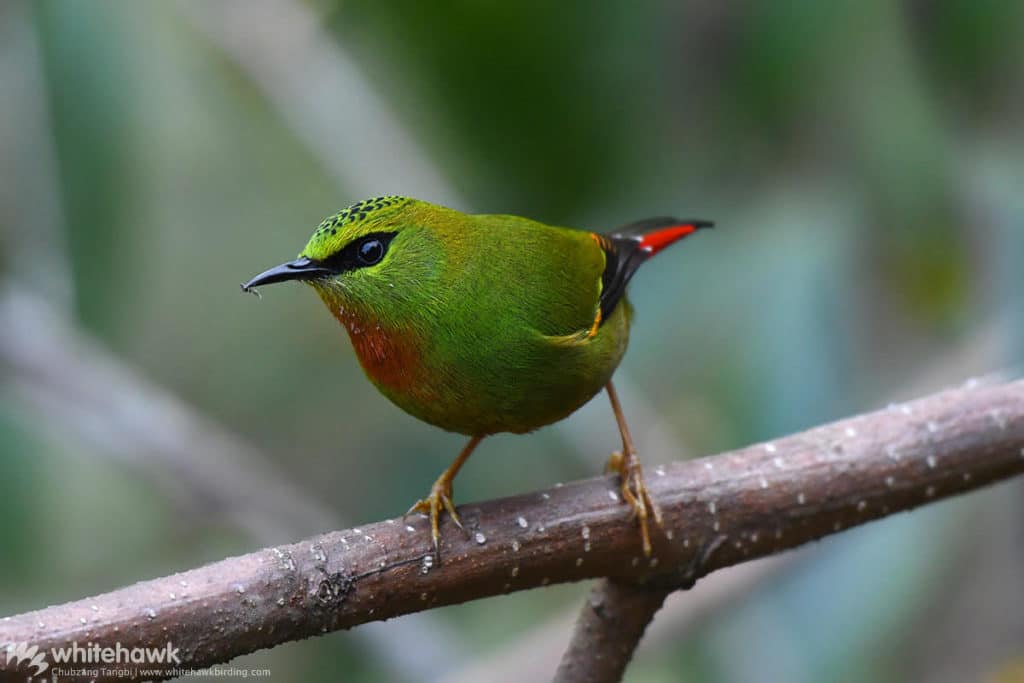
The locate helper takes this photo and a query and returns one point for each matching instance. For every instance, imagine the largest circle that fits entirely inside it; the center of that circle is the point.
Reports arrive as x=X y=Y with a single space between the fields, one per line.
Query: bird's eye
x=371 y=251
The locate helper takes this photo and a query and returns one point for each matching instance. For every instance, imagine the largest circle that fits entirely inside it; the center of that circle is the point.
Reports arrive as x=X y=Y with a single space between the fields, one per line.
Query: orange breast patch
x=388 y=356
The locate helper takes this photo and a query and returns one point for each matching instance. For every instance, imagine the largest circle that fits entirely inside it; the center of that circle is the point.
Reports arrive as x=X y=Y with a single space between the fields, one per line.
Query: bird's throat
x=389 y=355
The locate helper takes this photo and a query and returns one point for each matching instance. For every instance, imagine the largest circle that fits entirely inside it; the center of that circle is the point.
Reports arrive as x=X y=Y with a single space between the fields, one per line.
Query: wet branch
x=718 y=511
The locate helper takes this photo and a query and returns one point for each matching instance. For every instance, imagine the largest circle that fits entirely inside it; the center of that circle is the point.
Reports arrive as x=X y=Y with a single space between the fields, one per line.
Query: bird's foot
x=440 y=499
x=635 y=494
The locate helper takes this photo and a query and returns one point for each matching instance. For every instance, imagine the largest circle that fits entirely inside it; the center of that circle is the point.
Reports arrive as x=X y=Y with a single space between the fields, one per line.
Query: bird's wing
x=539 y=278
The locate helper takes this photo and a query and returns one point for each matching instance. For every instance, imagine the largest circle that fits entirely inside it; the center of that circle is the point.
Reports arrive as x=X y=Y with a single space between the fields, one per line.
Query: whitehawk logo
x=23 y=652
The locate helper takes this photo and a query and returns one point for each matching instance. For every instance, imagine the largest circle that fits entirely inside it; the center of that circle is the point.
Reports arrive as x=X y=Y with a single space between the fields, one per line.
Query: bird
x=484 y=324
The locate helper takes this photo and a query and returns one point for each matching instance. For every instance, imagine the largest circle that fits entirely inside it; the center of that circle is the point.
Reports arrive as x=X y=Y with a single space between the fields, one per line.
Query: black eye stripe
x=360 y=253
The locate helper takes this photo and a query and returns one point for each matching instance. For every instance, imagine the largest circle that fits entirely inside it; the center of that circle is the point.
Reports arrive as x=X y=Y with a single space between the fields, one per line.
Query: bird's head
x=369 y=259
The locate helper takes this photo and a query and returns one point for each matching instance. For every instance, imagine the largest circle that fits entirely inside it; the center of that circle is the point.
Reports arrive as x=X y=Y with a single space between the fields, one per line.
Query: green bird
x=481 y=324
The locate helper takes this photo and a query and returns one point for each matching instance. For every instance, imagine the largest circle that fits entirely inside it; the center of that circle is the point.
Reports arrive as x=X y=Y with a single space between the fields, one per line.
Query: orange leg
x=627 y=464
x=440 y=497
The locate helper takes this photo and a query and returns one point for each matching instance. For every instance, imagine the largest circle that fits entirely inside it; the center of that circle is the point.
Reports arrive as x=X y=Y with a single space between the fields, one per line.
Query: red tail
x=629 y=246
x=653 y=242
x=654 y=234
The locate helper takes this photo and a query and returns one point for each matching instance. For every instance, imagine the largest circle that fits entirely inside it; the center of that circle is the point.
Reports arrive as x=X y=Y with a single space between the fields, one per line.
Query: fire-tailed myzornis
x=483 y=324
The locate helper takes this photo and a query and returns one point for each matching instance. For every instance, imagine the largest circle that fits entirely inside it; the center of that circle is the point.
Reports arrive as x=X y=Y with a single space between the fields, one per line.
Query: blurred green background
x=864 y=161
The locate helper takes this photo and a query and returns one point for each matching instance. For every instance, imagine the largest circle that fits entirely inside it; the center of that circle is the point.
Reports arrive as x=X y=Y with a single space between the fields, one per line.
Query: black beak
x=301 y=268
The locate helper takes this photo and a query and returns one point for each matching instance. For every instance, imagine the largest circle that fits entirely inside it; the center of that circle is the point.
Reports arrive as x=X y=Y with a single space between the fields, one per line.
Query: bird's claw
x=440 y=498
x=635 y=494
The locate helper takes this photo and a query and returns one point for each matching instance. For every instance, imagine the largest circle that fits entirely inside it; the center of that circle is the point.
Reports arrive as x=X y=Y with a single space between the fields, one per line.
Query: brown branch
x=614 y=618
x=718 y=511
x=537 y=652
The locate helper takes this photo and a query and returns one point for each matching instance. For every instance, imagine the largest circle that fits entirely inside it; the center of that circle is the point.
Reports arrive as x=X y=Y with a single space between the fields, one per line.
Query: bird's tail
x=629 y=246
x=654 y=234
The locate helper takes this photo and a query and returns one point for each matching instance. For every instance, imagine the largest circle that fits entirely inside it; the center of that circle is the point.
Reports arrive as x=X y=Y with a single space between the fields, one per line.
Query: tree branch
x=614 y=618
x=718 y=511
x=536 y=653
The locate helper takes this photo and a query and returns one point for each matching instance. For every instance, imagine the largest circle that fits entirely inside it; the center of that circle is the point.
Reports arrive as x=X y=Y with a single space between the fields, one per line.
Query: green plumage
x=476 y=324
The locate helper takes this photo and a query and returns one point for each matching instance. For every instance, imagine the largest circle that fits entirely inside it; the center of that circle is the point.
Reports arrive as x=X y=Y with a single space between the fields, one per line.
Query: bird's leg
x=440 y=497
x=627 y=464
